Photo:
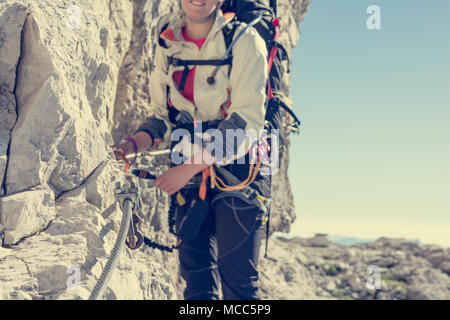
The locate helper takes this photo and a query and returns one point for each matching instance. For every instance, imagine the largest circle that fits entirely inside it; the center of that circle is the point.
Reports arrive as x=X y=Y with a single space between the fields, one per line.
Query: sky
x=373 y=156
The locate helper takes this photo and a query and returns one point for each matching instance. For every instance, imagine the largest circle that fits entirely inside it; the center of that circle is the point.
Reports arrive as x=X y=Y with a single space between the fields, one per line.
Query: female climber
x=224 y=248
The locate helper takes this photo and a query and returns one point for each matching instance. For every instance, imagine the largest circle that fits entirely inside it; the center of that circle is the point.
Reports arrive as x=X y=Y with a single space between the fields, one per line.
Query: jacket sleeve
x=248 y=80
x=157 y=124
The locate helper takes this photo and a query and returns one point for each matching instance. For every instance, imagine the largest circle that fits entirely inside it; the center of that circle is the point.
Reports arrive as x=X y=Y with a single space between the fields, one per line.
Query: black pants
x=226 y=250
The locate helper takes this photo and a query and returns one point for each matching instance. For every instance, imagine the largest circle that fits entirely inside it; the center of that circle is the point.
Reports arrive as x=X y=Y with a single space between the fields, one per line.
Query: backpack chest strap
x=186 y=63
x=212 y=62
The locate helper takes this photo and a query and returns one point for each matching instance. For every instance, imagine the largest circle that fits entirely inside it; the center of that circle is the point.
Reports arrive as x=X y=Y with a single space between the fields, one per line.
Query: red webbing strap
x=229 y=98
x=127 y=166
x=222 y=108
x=224 y=113
x=273 y=52
x=276 y=24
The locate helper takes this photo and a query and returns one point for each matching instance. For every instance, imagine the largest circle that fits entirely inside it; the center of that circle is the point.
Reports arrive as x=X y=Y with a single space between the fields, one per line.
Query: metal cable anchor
x=130 y=192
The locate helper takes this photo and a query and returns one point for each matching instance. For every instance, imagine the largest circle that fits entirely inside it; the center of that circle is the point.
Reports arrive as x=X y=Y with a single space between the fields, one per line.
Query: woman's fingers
x=162 y=182
x=172 y=190
x=166 y=185
x=173 y=179
x=158 y=181
x=176 y=187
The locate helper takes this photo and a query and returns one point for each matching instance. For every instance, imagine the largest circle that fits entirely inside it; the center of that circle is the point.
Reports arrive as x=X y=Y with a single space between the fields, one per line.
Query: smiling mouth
x=197 y=3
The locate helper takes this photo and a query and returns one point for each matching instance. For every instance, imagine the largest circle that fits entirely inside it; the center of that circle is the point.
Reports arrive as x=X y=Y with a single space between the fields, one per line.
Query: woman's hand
x=175 y=178
x=143 y=142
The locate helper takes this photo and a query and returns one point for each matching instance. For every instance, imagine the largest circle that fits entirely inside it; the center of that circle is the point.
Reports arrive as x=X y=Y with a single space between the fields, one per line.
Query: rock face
x=11 y=18
x=26 y=213
x=59 y=69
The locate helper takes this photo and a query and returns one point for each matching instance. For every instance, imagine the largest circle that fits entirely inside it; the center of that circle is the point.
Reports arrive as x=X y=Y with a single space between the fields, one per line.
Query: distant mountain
x=341 y=239
x=348 y=240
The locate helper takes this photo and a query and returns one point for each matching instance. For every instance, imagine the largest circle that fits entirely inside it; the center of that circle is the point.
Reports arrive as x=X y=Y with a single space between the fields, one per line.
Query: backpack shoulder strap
x=228 y=34
x=274 y=6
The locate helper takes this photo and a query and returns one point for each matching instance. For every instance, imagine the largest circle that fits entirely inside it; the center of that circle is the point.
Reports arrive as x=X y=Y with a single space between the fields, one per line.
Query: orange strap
x=202 y=190
x=228 y=15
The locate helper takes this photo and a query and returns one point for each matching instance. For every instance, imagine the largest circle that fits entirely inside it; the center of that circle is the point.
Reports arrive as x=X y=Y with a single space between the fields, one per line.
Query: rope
x=155 y=245
x=171 y=221
x=221 y=185
x=100 y=286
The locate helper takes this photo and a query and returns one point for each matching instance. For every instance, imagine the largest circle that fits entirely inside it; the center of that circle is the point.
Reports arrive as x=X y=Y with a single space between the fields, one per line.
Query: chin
x=196 y=16
x=195 y=12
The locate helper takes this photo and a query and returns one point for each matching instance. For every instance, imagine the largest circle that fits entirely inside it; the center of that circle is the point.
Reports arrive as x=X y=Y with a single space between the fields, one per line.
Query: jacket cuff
x=150 y=134
x=156 y=128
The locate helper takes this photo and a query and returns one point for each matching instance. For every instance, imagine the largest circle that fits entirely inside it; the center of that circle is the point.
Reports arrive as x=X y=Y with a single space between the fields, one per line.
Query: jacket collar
x=173 y=31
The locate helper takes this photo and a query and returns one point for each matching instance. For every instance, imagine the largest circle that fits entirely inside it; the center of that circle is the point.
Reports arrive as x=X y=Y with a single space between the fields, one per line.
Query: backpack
x=248 y=11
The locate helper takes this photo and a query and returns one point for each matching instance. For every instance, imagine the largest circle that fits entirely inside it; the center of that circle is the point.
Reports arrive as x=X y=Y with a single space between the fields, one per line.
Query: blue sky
x=373 y=158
